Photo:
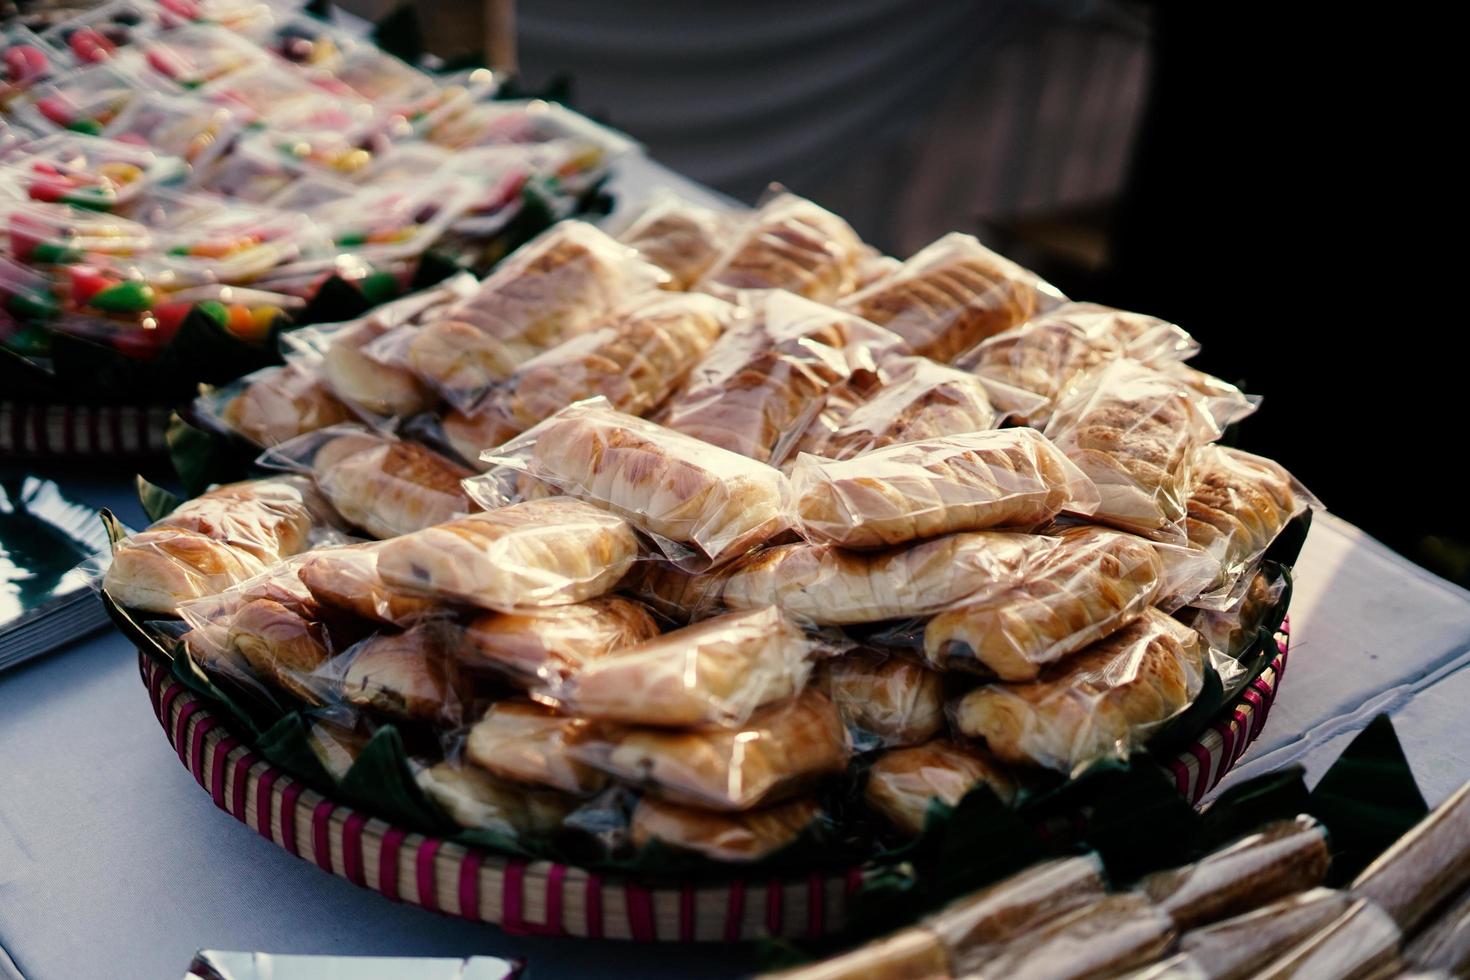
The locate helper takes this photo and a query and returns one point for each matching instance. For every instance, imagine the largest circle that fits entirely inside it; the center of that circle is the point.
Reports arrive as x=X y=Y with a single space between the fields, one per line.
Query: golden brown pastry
x=974 y=927
x=716 y=671
x=951 y=295
x=1104 y=701
x=335 y=746
x=1424 y=867
x=528 y=743
x=471 y=433
x=677 y=595
x=916 y=490
x=1238 y=504
x=679 y=237
x=909 y=954
x=1360 y=944
x=791 y=244
x=1232 y=630
x=780 y=750
x=459 y=360
x=348 y=579
x=884 y=698
x=1236 y=948
x=548 y=645
x=1103 y=939
x=817 y=583
x=538 y=553
x=269 y=518
x=904 y=782
x=1444 y=944
x=478 y=801
x=386 y=486
x=1092 y=582
x=282 y=403
x=410 y=675
x=370 y=384
x=1224 y=401
x=281 y=645
x=734 y=837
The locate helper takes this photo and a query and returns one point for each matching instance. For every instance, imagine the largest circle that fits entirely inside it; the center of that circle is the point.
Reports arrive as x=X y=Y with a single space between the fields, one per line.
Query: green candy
x=33 y=306
x=378 y=287
x=89 y=126
x=351 y=239
x=215 y=310
x=125 y=297
x=50 y=253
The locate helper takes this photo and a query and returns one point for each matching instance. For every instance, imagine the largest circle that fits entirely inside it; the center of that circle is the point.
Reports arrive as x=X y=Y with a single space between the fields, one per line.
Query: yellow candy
x=262 y=317
x=120 y=173
x=353 y=161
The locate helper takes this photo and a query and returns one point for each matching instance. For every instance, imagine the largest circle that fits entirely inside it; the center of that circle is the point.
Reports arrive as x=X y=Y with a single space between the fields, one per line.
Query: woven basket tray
x=31 y=430
x=542 y=898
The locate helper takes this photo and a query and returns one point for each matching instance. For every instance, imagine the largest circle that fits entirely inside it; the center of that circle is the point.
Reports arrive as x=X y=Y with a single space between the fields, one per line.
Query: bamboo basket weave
x=543 y=898
x=29 y=430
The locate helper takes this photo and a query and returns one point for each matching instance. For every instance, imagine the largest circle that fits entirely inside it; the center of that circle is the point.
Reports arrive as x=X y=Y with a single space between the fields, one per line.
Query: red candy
x=91 y=46
x=86 y=282
x=55 y=109
x=25 y=62
x=167 y=63
x=186 y=9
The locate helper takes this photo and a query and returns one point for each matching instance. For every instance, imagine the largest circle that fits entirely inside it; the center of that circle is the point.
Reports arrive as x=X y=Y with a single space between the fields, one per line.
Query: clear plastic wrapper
x=728 y=837
x=537 y=553
x=718 y=671
x=413 y=676
x=95 y=35
x=909 y=954
x=263 y=92
x=1281 y=858
x=1134 y=431
x=197 y=132
x=951 y=295
x=680 y=237
x=191 y=56
x=531 y=121
x=347 y=578
x=886 y=699
x=336 y=744
x=274 y=405
x=678 y=595
x=1360 y=944
x=1230 y=631
x=545 y=647
x=1424 y=867
x=828 y=586
x=89 y=171
x=973 y=927
x=206 y=240
x=791 y=244
x=528 y=743
x=1103 y=702
x=686 y=493
x=387 y=221
x=87 y=101
x=779 y=751
x=1225 y=402
x=764 y=381
x=25 y=61
x=915 y=490
x=1092 y=582
x=476 y=800
x=54 y=234
x=1102 y=939
x=1236 y=948
x=374 y=388
x=1444 y=944
x=903 y=783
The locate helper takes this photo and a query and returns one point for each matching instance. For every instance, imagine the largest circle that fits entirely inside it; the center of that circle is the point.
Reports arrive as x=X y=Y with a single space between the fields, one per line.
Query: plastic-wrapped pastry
x=1231 y=630
x=971 y=928
x=672 y=486
x=782 y=748
x=732 y=837
x=1424 y=867
x=1281 y=858
x=552 y=644
x=478 y=801
x=915 y=490
x=762 y=383
x=1236 y=948
x=951 y=295
x=886 y=699
x=280 y=403
x=528 y=743
x=717 y=671
x=1104 y=701
x=904 y=782
x=1091 y=583
x=1238 y=504
x=1098 y=940
x=909 y=954
x=1134 y=431
x=347 y=579
x=281 y=645
x=1360 y=944
x=1224 y=401
x=369 y=384
x=817 y=583
x=551 y=289
x=538 y=553
x=410 y=675
x=1445 y=942
x=336 y=746
x=677 y=595
x=791 y=244
x=680 y=237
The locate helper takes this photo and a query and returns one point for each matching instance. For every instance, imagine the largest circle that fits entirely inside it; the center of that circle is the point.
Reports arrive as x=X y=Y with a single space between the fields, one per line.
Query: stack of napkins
x=213 y=964
x=50 y=548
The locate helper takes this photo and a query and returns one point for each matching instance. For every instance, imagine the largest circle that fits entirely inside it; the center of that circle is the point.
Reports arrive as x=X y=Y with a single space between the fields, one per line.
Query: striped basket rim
x=543 y=898
x=29 y=429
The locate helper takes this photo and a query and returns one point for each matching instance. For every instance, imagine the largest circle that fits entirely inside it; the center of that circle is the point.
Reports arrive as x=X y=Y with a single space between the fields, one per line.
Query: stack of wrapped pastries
x=675 y=532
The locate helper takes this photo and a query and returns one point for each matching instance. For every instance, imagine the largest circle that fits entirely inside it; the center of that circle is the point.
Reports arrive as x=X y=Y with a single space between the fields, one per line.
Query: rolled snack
x=478 y=801
x=761 y=384
x=903 y=783
x=281 y=403
x=718 y=671
x=1444 y=944
x=1098 y=940
x=410 y=675
x=366 y=382
x=549 y=645
x=1282 y=858
x=677 y=595
x=1424 y=867
x=791 y=244
x=1093 y=582
x=539 y=553
x=823 y=585
x=729 y=837
x=270 y=519
x=663 y=482
x=680 y=237
x=528 y=743
x=779 y=751
x=1235 y=948
x=973 y=927
x=387 y=486
x=1238 y=504
x=885 y=699
x=281 y=645
x=909 y=954
x=1361 y=943
x=1233 y=629
x=916 y=490
x=347 y=579
x=1103 y=702
x=1134 y=430
x=951 y=295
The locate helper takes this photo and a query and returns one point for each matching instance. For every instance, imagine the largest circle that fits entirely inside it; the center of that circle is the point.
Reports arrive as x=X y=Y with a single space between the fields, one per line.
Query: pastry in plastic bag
x=791 y=244
x=731 y=837
x=680 y=237
x=973 y=927
x=1424 y=867
x=281 y=645
x=538 y=553
x=546 y=646
x=1134 y=431
x=762 y=383
x=375 y=387
x=782 y=748
x=678 y=595
x=1360 y=944
x=951 y=295
x=1092 y=582
x=717 y=671
x=411 y=675
x=1098 y=940
x=885 y=698
x=1238 y=504
x=904 y=782
x=1232 y=630
x=280 y=403
x=817 y=583
x=915 y=490
x=478 y=801
x=1224 y=401
x=1104 y=701
x=528 y=743
x=909 y=954
x=347 y=578
x=665 y=483
x=1444 y=944
x=1236 y=948
x=383 y=485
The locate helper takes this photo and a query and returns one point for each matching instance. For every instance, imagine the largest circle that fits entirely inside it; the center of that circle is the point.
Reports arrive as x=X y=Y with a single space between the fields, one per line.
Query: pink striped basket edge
x=544 y=898
x=32 y=430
